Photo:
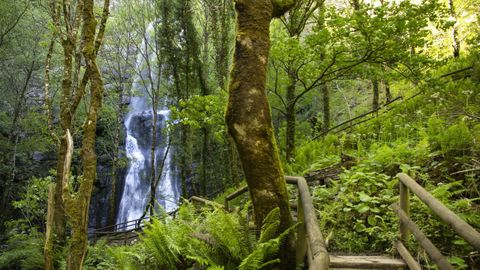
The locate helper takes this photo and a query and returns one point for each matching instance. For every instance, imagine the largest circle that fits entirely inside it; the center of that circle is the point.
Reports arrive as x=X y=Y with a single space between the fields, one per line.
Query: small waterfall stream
x=139 y=129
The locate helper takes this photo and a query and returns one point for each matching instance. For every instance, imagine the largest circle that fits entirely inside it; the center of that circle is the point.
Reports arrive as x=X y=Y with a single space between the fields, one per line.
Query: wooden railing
x=118 y=232
x=310 y=242
x=402 y=209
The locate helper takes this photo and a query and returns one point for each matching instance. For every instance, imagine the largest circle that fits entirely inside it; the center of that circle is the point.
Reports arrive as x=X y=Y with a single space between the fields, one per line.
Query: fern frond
x=270 y=225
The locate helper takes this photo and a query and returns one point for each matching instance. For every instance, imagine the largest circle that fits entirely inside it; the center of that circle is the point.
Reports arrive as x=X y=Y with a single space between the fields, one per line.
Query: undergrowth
x=434 y=137
x=196 y=239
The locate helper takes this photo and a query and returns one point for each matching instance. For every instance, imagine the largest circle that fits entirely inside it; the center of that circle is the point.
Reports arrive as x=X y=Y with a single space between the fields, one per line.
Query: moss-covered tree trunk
x=55 y=241
x=248 y=113
x=68 y=203
x=77 y=205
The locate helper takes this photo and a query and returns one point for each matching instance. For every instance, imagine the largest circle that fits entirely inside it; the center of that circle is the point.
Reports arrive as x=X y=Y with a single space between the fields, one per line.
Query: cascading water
x=139 y=126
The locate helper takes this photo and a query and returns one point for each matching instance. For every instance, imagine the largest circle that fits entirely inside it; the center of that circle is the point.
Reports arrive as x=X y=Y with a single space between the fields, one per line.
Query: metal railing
x=402 y=209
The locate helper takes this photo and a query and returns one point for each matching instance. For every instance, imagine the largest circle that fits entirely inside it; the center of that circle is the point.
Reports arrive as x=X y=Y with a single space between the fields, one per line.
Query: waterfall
x=139 y=128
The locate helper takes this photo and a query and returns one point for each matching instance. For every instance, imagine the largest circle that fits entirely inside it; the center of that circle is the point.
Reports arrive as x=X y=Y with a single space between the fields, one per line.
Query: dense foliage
x=394 y=86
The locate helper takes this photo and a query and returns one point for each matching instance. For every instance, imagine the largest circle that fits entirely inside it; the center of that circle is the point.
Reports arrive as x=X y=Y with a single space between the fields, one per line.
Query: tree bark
x=376 y=94
x=455 y=40
x=248 y=114
x=77 y=205
x=388 y=93
x=326 y=107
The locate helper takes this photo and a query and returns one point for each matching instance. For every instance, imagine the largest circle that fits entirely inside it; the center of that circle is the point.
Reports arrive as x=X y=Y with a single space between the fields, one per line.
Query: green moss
x=282 y=6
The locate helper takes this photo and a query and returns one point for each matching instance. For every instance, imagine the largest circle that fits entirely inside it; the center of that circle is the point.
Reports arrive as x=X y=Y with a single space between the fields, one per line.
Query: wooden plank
x=407 y=257
x=434 y=253
x=368 y=262
x=460 y=226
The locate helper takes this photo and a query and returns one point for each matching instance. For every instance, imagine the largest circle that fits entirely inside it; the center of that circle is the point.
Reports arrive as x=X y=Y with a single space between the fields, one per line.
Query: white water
x=139 y=125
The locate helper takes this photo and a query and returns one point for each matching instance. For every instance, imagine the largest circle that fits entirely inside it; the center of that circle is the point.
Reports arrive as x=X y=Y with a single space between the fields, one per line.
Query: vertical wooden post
x=226 y=205
x=405 y=206
x=301 y=246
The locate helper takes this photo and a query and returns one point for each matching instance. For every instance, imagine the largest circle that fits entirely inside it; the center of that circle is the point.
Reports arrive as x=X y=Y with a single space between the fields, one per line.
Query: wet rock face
x=141 y=127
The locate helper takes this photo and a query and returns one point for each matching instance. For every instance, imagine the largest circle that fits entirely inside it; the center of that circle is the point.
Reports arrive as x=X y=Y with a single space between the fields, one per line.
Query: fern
x=266 y=251
x=160 y=241
x=24 y=250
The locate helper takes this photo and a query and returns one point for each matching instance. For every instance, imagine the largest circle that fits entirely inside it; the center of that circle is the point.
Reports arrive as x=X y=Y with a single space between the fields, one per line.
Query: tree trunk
x=116 y=139
x=153 y=164
x=233 y=160
x=13 y=136
x=56 y=240
x=290 y=117
x=77 y=205
x=456 y=41
x=388 y=93
x=184 y=159
x=326 y=107
x=249 y=119
x=376 y=94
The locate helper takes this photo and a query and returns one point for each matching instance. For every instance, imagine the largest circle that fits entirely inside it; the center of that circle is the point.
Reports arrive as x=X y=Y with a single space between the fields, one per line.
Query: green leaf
x=364 y=197
x=372 y=220
x=362 y=208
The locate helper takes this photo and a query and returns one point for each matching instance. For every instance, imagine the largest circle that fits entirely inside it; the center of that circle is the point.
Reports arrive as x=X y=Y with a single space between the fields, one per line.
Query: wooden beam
x=460 y=226
x=422 y=239
x=407 y=257
x=369 y=262
x=205 y=201
x=316 y=243
x=234 y=195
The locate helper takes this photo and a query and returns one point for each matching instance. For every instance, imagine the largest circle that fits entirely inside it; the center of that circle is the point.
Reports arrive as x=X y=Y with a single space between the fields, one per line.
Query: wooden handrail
x=234 y=195
x=318 y=255
x=463 y=229
x=422 y=239
x=402 y=210
x=205 y=201
x=315 y=247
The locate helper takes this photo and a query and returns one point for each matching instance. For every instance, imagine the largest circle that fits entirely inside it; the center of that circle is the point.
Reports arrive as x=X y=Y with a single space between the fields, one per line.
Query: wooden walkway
x=311 y=247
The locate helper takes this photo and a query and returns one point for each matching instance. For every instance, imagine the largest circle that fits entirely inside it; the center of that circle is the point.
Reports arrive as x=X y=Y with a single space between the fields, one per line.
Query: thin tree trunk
x=388 y=93
x=455 y=40
x=13 y=136
x=326 y=107
x=77 y=206
x=290 y=117
x=249 y=119
x=116 y=143
x=376 y=94
x=153 y=169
